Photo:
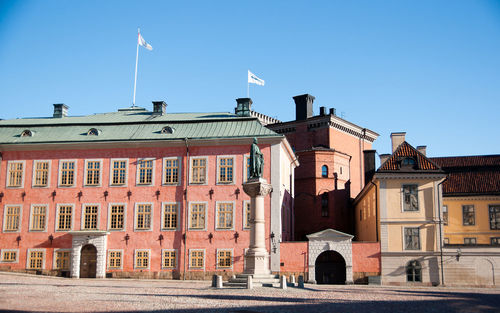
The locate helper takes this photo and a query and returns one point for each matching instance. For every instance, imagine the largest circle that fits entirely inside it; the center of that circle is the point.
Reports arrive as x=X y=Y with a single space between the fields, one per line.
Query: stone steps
x=240 y=281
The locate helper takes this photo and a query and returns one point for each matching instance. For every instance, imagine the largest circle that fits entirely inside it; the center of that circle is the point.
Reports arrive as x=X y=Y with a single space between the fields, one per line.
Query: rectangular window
x=197 y=218
x=117 y=216
x=246 y=168
x=93 y=169
x=495 y=241
x=470 y=241
x=469 y=217
x=246 y=214
x=115 y=259
x=224 y=215
x=142 y=259
x=118 y=172
x=494 y=216
x=224 y=258
x=67 y=173
x=62 y=260
x=445 y=214
x=9 y=256
x=412 y=238
x=15 y=174
x=171 y=171
x=12 y=218
x=64 y=217
x=145 y=169
x=38 y=217
x=196 y=258
x=90 y=214
x=143 y=216
x=446 y=241
x=198 y=171
x=35 y=260
x=169 y=259
x=225 y=170
x=169 y=216
x=410 y=197
x=41 y=176
x=324 y=205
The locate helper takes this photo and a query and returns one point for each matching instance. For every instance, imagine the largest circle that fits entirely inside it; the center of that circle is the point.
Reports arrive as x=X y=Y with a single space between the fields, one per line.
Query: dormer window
x=408 y=162
x=167 y=130
x=27 y=133
x=93 y=132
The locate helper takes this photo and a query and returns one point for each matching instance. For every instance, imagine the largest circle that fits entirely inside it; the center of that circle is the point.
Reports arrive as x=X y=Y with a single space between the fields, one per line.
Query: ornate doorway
x=88 y=261
x=330 y=268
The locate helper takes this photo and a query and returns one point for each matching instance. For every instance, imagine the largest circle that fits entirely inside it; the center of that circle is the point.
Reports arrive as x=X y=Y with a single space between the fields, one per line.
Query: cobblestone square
x=25 y=293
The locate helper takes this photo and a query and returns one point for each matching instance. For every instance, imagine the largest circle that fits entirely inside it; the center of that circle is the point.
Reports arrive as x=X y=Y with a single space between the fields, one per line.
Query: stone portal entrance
x=88 y=261
x=330 y=268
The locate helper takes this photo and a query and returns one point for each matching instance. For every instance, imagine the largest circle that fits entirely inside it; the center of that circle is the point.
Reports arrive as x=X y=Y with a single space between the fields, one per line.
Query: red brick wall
x=293 y=256
x=366 y=257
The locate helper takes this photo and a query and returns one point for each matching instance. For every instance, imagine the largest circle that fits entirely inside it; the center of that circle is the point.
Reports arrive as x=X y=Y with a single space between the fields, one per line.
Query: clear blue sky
x=430 y=68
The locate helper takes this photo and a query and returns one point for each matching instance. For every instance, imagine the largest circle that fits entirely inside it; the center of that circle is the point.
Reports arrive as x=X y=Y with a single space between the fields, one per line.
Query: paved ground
x=22 y=293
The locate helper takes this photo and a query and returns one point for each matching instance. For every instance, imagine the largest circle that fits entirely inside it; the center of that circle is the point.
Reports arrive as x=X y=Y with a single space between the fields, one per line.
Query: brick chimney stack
x=303 y=106
x=397 y=139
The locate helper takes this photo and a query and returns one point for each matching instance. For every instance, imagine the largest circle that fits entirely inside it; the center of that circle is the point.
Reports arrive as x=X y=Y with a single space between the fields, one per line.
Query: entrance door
x=330 y=268
x=88 y=261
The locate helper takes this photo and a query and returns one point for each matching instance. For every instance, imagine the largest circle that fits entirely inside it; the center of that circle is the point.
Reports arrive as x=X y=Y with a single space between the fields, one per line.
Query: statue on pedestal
x=256 y=161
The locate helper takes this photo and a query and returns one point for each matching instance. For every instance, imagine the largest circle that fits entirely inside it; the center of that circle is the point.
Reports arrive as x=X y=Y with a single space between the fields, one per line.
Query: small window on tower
x=324 y=171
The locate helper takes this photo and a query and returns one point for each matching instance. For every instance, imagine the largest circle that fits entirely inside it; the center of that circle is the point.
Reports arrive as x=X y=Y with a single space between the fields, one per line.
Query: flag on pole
x=143 y=43
x=252 y=79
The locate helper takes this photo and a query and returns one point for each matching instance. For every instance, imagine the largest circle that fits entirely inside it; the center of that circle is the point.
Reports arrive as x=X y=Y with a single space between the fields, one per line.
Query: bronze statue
x=256 y=160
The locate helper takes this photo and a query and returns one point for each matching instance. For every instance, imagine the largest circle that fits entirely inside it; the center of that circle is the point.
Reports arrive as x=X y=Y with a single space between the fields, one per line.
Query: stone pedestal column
x=257 y=257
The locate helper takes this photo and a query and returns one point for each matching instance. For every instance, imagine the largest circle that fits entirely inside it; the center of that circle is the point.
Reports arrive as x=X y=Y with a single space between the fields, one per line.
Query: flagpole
x=136 y=61
x=248 y=90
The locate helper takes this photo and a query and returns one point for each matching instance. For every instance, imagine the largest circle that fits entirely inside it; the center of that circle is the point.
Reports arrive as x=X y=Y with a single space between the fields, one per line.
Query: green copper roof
x=131 y=124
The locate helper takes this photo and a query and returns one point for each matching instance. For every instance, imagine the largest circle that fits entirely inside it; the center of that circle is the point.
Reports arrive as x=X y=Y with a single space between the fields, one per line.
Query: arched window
x=324 y=204
x=414 y=271
x=324 y=171
x=93 y=132
x=167 y=130
x=26 y=133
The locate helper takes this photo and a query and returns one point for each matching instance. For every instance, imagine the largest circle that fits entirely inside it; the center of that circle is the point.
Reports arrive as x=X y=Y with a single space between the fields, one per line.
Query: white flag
x=252 y=79
x=143 y=43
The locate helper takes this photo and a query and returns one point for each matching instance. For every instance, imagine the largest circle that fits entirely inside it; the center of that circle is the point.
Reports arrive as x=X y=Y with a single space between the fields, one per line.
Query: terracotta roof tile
x=406 y=150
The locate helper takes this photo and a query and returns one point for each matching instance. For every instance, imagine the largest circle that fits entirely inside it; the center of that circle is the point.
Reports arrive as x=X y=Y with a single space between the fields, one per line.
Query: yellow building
x=400 y=208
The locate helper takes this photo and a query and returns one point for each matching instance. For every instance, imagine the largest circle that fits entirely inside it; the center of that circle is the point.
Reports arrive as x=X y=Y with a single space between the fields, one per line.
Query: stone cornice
x=257 y=187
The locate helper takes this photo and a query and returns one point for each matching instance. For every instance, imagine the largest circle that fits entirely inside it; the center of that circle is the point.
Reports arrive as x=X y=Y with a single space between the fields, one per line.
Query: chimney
x=397 y=139
x=422 y=149
x=383 y=158
x=303 y=106
x=332 y=111
x=322 y=111
x=243 y=106
x=369 y=161
x=60 y=110
x=159 y=108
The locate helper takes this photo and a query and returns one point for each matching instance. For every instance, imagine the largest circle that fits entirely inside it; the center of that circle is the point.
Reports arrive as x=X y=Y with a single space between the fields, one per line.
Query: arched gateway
x=330 y=257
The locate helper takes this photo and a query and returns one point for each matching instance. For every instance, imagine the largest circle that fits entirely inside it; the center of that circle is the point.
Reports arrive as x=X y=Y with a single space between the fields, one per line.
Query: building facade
x=136 y=193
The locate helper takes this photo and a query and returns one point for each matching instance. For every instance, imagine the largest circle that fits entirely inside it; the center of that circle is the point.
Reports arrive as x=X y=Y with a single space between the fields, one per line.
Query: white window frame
x=217 y=259
x=35 y=162
x=2 y=260
x=219 y=157
x=28 y=257
x=137 y=174
x=124 y=216
x=75 y=174
x=5 y=218
x=54 y=263
x=149 y=259
x=204 y=260
x=111 y=173
x=163 y=216
x=179 y=171
x=46 y=218
x=56 y=223
x=207 y=170
x=109 y=259
x=403 y=198
x=23 y=175
x=190 y=228
x=82 y=215
x=99 y=184
x=217 y=215
x=246 y=158
x=176 y=259
x=136 y=206
x=419 y=239
x=245 y=202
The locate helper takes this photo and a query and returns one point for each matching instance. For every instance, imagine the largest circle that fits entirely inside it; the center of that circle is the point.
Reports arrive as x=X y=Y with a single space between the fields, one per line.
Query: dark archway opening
x=330 y=268
x=88 y=261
